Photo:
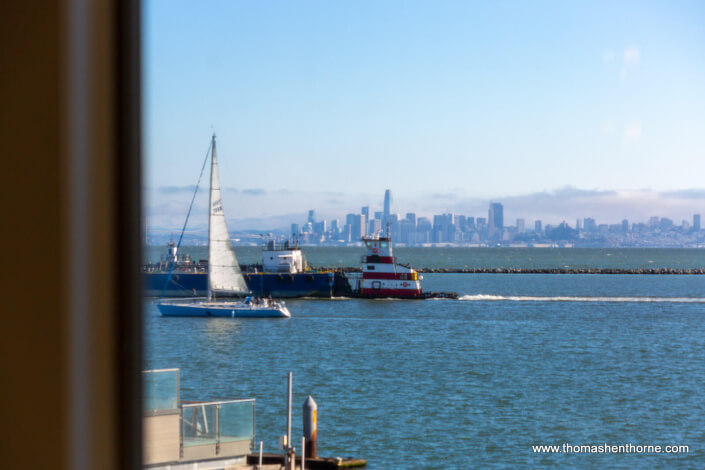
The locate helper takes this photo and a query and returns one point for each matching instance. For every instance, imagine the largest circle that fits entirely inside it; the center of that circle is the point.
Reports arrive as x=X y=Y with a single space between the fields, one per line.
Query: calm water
x=485 y=257
x=474 y=383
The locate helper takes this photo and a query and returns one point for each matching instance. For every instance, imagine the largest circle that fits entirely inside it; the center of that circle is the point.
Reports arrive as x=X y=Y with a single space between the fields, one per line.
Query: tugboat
x=383 y=277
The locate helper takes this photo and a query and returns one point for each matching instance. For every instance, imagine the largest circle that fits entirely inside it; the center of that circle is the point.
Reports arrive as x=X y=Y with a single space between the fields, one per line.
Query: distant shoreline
x=653 y=271
x=466 y=246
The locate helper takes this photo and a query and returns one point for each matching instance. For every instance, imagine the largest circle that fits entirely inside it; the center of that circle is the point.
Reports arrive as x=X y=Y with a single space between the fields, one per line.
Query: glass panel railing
x=199 y=424
x=237 y=421
x=214 y=422
x=161 y=390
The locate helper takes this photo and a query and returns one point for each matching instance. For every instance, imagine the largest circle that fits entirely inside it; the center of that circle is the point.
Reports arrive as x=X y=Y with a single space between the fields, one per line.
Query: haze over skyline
x=551 y=207
x=567 y=110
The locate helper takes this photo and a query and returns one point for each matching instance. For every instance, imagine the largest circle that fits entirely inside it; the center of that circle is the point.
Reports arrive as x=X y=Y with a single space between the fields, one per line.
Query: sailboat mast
x=210 y=208
x=224 y=274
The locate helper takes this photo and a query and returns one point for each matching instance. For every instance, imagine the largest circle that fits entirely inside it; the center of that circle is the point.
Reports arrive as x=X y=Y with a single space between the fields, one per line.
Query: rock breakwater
x=656 y=271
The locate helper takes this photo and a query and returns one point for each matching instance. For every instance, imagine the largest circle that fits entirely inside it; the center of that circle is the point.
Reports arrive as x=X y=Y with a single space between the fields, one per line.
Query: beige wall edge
x=68 y=392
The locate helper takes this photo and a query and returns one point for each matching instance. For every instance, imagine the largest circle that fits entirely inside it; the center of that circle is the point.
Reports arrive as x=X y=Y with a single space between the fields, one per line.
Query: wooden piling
x=310 y=415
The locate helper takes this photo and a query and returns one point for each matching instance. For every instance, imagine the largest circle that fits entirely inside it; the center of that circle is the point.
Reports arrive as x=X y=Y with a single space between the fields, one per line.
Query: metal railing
x=160 y=391
x=217 y=422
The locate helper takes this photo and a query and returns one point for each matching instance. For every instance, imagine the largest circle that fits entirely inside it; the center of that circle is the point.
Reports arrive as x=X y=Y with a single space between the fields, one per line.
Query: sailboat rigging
x=224 y=275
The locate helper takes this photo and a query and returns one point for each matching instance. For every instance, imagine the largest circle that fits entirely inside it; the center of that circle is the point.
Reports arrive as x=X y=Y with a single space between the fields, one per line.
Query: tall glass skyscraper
x=495 y=220
x=387 y=207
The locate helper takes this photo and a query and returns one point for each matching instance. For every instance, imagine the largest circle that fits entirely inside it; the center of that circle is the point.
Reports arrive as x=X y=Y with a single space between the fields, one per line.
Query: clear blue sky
x=475 y=100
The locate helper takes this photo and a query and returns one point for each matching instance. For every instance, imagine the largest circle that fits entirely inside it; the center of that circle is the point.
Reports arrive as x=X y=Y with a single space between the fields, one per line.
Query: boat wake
x=520 y=298
x=319 y=298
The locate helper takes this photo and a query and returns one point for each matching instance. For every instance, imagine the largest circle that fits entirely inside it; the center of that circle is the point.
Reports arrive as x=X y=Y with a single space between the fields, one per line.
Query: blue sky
x=450 y=104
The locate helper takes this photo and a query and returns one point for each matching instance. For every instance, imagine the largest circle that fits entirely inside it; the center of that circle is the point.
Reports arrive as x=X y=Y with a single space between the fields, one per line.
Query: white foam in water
x=518 y=298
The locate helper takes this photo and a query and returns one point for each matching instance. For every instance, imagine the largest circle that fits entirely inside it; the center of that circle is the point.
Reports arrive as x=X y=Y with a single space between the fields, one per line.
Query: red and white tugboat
x=383 y=277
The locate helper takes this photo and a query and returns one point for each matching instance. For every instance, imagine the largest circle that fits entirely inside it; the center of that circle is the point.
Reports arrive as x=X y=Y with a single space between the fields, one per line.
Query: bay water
x=520 y=360
x=481 y=257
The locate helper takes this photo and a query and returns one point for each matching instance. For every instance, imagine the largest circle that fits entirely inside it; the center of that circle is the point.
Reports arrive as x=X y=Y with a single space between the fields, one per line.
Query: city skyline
x=491 y=229
x=461 y=229
x=564 y=204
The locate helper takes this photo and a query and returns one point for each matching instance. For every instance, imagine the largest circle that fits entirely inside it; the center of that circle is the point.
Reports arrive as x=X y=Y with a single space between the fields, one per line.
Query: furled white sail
x=224 y=274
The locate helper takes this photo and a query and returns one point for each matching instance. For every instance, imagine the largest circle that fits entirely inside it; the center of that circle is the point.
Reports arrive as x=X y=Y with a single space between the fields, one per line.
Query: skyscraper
x=374 y=227
x=407 y=232
x=696 y=222
x=408 y=228
x=319 y=227
x=495 y=220
x=387 y=207
x=393 y=226
x=423 y=230
x=311 y=216
x=348 y=230
x=366 y=212
x=357 y=227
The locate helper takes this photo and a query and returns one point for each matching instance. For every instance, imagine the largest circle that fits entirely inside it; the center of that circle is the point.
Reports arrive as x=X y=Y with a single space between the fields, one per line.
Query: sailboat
x=224 y=275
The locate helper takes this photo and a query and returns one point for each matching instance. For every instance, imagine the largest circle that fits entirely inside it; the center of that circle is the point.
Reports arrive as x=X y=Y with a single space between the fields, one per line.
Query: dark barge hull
x=287 y=285
x=283 y=286
x=180 y=285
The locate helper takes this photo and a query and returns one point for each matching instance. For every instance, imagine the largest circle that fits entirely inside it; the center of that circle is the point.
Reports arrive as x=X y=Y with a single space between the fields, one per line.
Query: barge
x=284 y=273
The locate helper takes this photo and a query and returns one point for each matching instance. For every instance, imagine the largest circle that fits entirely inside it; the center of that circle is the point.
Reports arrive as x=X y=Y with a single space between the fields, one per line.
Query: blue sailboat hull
x=220 y=309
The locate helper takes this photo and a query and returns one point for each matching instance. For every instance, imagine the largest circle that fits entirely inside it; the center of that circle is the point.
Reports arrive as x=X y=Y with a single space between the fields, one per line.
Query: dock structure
x=319 y=463
x=193 y=435
x=199 y=435
x=309 y=448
